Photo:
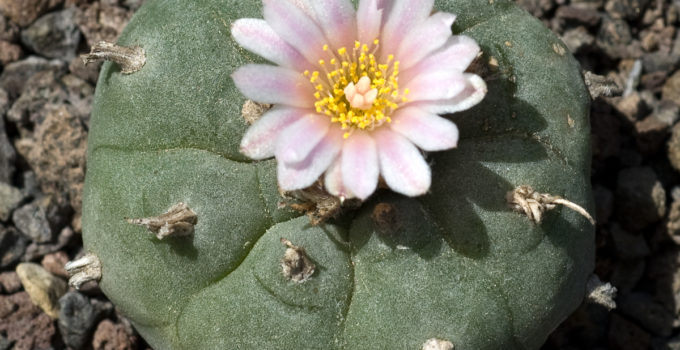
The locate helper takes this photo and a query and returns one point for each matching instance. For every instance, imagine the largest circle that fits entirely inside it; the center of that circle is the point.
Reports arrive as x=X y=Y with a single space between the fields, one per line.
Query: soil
x=632 y=47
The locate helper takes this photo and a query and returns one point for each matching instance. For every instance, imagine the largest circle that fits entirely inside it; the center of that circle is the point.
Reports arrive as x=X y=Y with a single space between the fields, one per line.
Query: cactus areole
x=198 y=248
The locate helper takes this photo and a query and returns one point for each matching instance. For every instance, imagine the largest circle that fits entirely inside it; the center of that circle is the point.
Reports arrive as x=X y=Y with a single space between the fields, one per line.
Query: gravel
x=46 y=98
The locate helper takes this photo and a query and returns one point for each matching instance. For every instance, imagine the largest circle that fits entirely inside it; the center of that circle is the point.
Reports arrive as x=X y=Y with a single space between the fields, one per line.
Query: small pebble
x=44 y=288
x=671 y=89
x=24 y=12
x=12 y=246
x=54 y=35
x=10 y=198
x=54 y=263
x=15 y=75
x=10 y=282
x=9 y=52
x=110 y=336
x=640 y=198
x=674 y=147
x=77 y=319
x=31 y=220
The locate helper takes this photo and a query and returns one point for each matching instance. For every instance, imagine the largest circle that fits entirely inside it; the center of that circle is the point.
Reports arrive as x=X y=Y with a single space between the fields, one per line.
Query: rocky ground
x=46 y=96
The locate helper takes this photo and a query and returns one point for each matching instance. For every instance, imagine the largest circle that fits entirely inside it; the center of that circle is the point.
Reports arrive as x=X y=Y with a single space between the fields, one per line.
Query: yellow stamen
x=372 y=83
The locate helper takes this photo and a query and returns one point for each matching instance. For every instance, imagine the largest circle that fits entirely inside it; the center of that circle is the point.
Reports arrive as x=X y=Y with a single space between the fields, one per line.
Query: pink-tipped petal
x=298 y=176
x=456 y=55
x=360 y=164
x=256 y=36
x=295 y=27
x=425 y=38
x=403 y=17
x=369 y=20
x=338 y=19
x=436 y=85
x=333 y=180
x=297 y=140
x=401 y=164
x=259 y=142
x=269 y=84
x=474 y=92
x=428 y=131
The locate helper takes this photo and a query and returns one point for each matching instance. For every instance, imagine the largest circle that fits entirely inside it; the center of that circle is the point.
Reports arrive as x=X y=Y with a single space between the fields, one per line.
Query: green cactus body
x=456 y=264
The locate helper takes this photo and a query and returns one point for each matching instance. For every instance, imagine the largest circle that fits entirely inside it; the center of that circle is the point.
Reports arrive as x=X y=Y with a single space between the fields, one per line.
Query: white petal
x=402 y=18
x=474 y=92
x=299 y=139
x=268 y=84
x=426 y=130
x=256 y=36
x=425 y=38
x=337 y=20
x=456 y=55
x=295 y=27
x=333 y=180
x=369 y=20
x=436 y=85
x=301 y=175
x=260 y=140
x=401 y=164
x=360 y=164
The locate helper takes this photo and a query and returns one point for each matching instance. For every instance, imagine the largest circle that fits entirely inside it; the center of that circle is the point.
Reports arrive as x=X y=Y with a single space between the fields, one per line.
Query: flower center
x=356 y=91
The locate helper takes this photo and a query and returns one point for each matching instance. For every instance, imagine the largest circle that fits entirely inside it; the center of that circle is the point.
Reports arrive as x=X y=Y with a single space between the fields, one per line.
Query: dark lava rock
x=31 y=220
x=12 y=246
x=56 y=152
x=109 y=336
x=640 y=198
x=604 y=204
x=616 y=40
x=629 y=246
x=7 y=153
x=37 y=250
x=26 y=324
x=24 y=12
x=16 y=74
x=77 y=319
x=650 y=314
x=102 y=21
x=626 y=335
x=10 y=198
x=42 y=90
x=627 y=274
x=650 y=133
x=55 y=35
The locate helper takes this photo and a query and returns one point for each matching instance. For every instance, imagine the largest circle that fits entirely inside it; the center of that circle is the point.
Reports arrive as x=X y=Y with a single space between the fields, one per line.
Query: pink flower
x=356 y=93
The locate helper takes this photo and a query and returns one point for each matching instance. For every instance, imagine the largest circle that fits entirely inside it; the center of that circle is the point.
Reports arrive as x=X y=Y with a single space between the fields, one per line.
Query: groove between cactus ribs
x=531 y=137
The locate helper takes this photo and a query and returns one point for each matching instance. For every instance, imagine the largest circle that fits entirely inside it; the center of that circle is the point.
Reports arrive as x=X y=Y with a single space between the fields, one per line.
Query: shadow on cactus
x=454 y=266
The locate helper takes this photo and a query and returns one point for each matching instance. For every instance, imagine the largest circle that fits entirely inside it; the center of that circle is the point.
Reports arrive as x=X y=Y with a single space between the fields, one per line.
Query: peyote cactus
x=456 y=264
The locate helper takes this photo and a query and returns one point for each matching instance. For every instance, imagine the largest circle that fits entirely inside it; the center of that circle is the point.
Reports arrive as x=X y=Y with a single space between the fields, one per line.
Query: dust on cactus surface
x=45 y=101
